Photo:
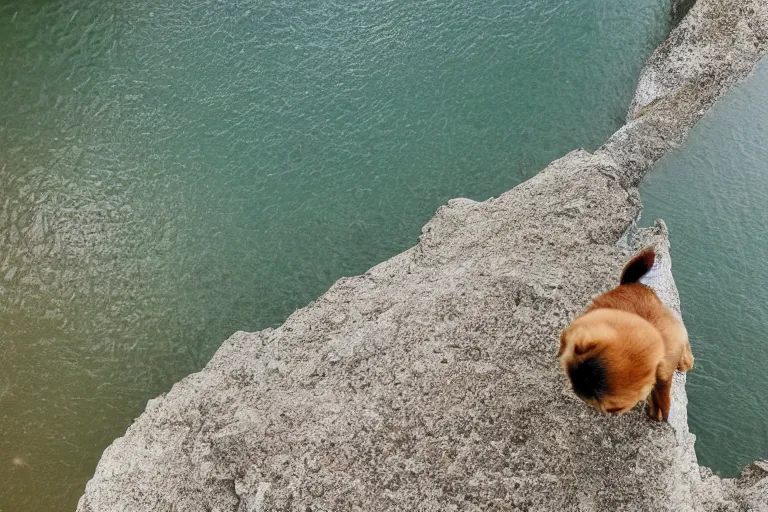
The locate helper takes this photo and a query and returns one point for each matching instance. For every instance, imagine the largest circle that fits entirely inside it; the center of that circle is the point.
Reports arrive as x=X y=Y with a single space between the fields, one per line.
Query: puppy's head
x=610 y=356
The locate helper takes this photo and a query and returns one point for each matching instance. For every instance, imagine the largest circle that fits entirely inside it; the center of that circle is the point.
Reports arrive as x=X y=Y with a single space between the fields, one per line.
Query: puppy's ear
x=585 y=338
x=638 y=266
x=585 y=346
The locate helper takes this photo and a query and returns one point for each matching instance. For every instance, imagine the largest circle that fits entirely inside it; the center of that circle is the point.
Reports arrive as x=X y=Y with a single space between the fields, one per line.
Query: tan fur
x=638 y=341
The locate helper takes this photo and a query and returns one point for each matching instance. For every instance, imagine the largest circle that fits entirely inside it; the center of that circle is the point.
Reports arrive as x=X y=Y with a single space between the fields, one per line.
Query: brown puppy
x=626 y=346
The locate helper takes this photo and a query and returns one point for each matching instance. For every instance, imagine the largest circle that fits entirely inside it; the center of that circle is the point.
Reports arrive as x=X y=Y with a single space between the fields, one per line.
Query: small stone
x=316 y=489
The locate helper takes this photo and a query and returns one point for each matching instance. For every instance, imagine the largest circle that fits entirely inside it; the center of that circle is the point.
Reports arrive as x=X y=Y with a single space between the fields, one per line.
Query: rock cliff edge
x=430 y=382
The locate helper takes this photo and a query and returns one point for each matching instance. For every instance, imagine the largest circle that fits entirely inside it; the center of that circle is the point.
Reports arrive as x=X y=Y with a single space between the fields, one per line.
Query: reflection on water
x=174 y=171
x=713 y=194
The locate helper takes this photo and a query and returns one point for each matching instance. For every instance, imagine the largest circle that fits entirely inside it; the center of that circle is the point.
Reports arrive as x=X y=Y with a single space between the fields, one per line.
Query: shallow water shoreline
x=428 y=383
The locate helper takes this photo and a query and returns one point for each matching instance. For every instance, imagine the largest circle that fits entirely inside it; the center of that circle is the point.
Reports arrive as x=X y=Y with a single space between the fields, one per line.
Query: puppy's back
x=633 y=298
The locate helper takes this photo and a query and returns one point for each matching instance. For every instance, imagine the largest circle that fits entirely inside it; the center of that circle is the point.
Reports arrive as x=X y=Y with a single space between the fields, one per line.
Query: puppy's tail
x=638 y=266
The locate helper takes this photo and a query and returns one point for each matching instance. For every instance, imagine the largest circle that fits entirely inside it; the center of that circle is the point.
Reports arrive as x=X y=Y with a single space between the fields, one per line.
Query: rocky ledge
x=430 y=382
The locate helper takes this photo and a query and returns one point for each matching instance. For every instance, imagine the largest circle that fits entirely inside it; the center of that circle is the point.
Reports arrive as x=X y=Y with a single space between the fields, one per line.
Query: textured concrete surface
x=430 y=383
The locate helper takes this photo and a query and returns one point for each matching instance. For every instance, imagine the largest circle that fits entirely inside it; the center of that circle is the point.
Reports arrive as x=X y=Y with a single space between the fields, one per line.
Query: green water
x=174 y=171
x=713 y=194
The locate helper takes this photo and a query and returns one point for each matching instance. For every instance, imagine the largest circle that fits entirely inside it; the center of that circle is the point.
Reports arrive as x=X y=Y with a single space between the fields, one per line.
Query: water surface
x=713 y=195
x=173 y=171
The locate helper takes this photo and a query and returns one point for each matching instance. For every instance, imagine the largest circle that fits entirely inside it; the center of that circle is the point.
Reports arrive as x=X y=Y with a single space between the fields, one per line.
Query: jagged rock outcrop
x=430 y=382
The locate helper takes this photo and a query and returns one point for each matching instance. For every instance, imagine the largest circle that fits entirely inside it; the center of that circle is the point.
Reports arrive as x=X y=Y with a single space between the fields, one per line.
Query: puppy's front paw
x=686 y=361
x=654 y=412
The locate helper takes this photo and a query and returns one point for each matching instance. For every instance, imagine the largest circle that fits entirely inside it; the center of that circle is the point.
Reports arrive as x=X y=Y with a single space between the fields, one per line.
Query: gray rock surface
x=430 y=383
